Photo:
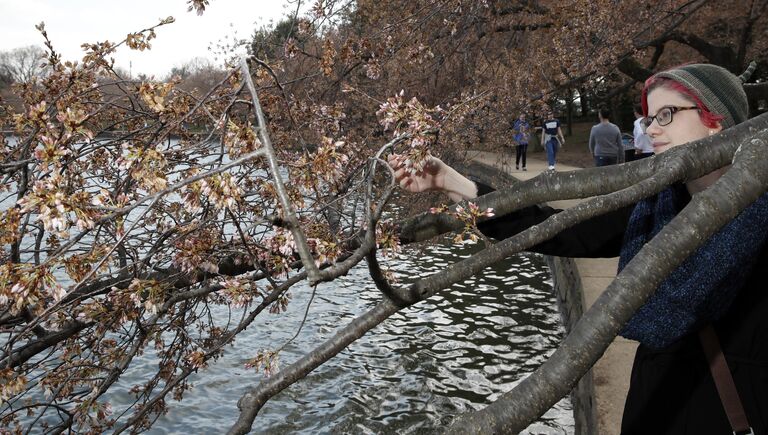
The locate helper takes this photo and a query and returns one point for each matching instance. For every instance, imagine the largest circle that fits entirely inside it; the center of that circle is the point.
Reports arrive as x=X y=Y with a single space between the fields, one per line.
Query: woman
x=722 y=284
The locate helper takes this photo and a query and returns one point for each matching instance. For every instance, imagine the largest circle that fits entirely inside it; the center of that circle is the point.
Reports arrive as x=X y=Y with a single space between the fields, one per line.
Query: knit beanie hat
x=719 y=89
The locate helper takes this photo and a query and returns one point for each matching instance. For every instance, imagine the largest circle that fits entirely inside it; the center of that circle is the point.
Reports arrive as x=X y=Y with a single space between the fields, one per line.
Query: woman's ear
x=716 y=129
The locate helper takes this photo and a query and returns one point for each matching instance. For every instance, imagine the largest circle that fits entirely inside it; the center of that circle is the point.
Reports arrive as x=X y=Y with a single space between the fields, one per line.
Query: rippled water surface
x=412 y=374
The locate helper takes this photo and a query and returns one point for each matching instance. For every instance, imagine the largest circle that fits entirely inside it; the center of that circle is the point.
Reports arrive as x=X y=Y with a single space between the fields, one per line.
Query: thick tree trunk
x=569 y=111
x=583 y=102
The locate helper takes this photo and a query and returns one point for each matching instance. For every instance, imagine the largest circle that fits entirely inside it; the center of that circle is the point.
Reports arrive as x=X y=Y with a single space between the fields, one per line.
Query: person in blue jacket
x=522 y=128
x=720 y=287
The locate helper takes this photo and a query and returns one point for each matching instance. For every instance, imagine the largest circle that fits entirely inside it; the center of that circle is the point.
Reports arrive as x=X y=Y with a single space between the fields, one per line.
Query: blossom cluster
x=148 y=294
x=328 y=164
x=11 y=384
x=196 y=250
x=411 y=119
x=57 y=209
x=468 y=216
x=155 y=94
x=387 y=239
x=240 y=140
x=23 y=285
x=239 y=292
x=140 y=40
x=328 y=59
x=78 y=266
x=265 y=358
x=145 y=164
x=221 y=190
x=324 y=251
x=279 y=253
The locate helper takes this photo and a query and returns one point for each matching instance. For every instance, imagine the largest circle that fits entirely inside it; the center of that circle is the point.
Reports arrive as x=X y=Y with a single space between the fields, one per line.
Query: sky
x=70 y=23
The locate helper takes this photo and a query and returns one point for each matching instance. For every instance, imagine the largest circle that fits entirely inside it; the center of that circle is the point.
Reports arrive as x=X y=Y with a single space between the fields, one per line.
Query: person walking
x=552 y=139
x=713 y=307
x=605 y=141
x=521 y=128
x=643 y=146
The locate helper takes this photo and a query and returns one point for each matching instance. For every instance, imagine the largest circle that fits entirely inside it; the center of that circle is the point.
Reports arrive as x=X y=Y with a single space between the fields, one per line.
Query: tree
x=127 y=225
x=267 y=43
x=198 y=75
x=21 y=64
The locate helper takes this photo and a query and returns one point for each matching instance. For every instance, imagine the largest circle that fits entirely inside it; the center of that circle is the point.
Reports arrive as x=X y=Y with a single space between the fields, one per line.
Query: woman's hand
x=435 y=175
x=432 y=177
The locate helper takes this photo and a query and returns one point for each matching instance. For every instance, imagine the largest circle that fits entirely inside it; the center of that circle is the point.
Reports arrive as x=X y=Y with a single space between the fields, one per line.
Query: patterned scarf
x=703 y=287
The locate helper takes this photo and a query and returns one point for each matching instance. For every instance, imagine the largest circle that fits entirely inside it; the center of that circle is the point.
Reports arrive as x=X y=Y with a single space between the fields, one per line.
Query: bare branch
x=290 y=213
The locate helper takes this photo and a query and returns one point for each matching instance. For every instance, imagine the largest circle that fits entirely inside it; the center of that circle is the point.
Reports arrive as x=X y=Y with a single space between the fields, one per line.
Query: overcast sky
x=70 y=23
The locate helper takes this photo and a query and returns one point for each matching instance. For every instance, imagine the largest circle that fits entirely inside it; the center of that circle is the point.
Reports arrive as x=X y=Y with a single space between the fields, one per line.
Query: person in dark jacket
x=552 y=138
x=721 y=285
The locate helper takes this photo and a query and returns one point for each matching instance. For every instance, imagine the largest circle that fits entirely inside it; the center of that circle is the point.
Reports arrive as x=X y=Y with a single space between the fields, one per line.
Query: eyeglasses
x=664 y=116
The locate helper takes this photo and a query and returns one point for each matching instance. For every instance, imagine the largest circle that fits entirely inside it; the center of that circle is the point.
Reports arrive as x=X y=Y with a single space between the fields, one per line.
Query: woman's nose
x=654 y=129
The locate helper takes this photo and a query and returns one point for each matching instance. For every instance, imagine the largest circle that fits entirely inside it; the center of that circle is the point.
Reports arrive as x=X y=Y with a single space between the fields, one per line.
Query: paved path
x=611 y=373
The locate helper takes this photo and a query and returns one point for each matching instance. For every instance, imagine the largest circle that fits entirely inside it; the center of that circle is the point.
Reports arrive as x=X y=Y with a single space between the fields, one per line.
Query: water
x=415 y=373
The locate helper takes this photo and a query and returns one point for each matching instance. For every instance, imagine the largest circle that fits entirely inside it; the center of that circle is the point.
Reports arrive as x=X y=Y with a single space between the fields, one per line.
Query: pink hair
x=709 y=119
